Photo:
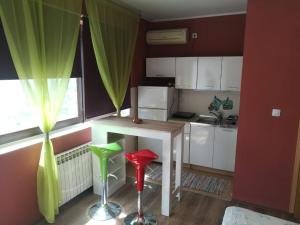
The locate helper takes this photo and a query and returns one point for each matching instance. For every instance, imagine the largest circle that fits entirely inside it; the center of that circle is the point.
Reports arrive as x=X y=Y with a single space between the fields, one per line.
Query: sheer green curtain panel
x=42 y=37
x=114 y=31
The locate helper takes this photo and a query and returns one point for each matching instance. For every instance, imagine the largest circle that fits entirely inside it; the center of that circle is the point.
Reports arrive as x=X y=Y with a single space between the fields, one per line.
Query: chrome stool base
x=132 y=219
x=104 y=212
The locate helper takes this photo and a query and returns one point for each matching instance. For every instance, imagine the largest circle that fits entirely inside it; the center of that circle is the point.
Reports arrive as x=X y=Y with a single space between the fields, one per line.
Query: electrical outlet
x=276 y=112
x=194 y=35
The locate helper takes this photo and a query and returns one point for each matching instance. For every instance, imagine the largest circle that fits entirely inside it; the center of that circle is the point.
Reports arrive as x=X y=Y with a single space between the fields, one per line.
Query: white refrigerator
x=155 y=103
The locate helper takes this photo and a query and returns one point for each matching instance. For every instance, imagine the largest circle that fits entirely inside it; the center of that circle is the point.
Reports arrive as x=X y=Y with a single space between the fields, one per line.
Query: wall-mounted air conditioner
x=167 y=37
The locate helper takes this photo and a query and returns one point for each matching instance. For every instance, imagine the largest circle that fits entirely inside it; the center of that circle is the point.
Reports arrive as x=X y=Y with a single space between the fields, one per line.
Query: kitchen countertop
x=193 y=120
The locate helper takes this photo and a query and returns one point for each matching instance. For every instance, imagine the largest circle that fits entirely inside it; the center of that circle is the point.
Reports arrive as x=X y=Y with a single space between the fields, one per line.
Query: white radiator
x=74 y=172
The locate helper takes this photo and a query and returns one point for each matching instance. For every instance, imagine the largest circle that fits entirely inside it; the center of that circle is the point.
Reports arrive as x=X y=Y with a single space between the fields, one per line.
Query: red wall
x=18 y=205
x=222 y=35
x=271 y=77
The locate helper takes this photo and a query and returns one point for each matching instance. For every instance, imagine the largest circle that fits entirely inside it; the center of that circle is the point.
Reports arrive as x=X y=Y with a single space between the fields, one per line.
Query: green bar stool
x=104 y=210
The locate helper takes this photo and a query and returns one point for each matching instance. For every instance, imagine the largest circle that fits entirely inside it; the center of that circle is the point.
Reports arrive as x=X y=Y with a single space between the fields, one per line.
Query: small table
x=171 y=135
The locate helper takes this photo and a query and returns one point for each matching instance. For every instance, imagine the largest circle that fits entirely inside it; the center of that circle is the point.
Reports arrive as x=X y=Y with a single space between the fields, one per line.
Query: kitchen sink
x=207 y=120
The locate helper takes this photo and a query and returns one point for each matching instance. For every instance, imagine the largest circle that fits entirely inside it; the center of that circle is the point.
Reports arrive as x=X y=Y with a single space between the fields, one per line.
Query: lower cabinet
x=201 y=145
x=224 y=148
x=213 y=147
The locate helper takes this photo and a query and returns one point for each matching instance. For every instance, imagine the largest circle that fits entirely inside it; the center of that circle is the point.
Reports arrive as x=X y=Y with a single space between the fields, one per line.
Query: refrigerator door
x=153 y=114
x=153 y=97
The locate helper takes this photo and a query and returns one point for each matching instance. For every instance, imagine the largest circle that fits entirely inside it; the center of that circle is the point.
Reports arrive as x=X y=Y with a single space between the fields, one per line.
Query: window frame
x=26 y=133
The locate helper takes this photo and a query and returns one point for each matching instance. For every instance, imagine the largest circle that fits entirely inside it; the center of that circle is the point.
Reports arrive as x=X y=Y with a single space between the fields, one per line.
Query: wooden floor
x=194 y=209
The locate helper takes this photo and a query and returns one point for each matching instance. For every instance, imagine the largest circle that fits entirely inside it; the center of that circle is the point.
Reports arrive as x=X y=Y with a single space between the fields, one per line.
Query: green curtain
x=42 y=37
x=114 y=31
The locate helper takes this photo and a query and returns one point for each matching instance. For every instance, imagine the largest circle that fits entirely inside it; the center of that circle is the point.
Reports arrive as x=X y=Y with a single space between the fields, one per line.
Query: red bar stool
x=140 y=160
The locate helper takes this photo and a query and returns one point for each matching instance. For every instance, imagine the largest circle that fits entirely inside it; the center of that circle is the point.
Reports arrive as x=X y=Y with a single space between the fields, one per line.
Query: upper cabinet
x=231 y=73
x=186 y=72
x=160 y=67
x=209 y=73
x=202 y=73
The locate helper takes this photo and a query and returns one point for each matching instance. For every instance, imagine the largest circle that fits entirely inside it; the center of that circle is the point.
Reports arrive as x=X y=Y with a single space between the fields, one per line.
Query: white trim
x=196 y=17
x=23 y=143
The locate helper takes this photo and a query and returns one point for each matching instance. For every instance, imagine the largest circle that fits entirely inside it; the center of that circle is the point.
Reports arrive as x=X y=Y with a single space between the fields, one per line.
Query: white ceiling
x=176 y=9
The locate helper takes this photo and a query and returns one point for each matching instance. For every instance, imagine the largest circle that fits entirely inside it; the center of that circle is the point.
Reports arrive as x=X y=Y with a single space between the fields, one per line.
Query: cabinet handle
x=209 y=86
x=159 y=75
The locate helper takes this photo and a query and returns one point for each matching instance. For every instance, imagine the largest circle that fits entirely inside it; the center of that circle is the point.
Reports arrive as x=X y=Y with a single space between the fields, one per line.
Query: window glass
x=16 y=114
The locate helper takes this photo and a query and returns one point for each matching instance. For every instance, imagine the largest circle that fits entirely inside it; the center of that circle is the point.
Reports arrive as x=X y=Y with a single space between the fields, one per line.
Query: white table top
x=153 y=125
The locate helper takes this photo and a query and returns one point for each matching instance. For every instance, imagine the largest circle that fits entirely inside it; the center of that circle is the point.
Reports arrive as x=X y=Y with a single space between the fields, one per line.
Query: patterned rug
x=215 y=186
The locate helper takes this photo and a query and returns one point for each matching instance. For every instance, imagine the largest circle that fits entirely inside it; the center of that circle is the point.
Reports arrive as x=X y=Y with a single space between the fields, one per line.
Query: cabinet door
x=209 y=73
x=201 y=145
x=231 y=73
x=160 y=67
x=186 y=72
x=224 y=148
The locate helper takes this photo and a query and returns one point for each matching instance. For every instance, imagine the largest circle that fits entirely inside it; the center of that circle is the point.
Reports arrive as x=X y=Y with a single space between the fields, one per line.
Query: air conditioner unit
x=167 y=37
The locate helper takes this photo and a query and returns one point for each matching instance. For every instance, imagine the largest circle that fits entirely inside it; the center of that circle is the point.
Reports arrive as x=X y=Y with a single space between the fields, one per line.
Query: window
x=17 y=116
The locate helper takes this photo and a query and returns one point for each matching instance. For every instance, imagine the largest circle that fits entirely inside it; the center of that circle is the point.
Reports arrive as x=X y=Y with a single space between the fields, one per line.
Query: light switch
x=194 y=35
x=276 y=112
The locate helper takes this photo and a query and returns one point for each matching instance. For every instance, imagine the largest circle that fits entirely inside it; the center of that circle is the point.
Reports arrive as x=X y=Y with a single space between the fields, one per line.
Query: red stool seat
x=140 y=160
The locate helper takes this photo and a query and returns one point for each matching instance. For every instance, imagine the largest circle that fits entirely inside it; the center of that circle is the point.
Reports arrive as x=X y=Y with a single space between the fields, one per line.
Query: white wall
x=198 y=101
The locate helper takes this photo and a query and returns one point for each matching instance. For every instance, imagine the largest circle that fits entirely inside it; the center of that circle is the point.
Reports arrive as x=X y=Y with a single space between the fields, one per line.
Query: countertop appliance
x=155 y=103
x=183 y=115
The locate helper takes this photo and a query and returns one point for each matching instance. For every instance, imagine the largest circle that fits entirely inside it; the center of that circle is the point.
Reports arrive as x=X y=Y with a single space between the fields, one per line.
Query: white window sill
x=23 y=143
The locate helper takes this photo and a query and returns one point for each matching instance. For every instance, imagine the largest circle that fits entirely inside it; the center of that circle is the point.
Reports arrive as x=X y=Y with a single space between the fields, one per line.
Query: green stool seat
x=104 y=210
x=103 y=152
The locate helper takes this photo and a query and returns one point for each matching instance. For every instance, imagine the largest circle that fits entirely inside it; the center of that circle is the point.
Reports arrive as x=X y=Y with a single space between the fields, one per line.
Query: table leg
x=179 y=152
x=166 y=190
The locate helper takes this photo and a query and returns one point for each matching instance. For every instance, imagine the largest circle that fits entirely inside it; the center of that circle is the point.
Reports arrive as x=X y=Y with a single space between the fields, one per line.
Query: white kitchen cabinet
x=201 y=145
x=209 y=73
x=186 y=72
x=160 y=67
x=231 y=73
x=224 y=148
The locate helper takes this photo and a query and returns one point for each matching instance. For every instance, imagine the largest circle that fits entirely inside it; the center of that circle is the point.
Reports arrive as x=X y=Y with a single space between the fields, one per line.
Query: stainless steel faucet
x=219 y=116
